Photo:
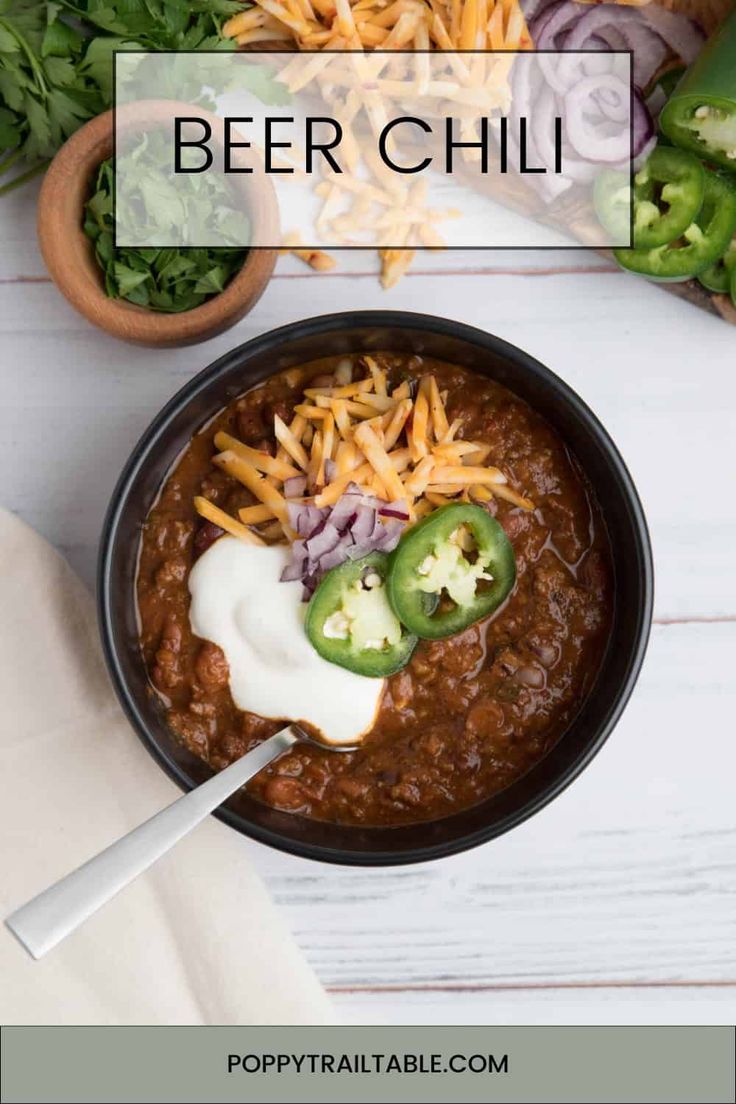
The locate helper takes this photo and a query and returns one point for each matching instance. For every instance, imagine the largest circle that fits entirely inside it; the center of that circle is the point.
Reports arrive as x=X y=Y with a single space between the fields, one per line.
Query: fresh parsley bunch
x=56 y=63
x=169 y=278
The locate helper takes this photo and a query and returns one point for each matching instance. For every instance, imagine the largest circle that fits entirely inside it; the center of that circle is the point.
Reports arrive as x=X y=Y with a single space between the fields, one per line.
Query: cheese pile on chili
x=359 y=25
x=397 y=445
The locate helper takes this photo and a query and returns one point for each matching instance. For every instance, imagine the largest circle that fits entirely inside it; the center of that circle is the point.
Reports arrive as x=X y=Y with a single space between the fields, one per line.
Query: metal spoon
x=59 y=910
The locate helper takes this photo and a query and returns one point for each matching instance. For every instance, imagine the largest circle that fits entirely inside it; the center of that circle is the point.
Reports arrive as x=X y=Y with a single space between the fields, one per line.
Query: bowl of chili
x=337 y=834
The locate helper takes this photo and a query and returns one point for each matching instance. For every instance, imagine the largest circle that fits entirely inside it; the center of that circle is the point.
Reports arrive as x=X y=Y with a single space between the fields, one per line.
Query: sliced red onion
x=587 y=34
x=648 y=49
x=644 y=130
x=575 y=169
x=596 y=63
x=647 y=147
x=552 y=22
x=595 y=143
x=533 y=9
x=613 y=105
x=591 y=94
x=683 y=36
x=612 y=37
x=597 y=16
x=537 y=27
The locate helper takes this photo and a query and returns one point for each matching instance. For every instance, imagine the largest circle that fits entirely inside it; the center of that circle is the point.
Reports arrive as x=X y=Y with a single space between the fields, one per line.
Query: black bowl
x=369 y=331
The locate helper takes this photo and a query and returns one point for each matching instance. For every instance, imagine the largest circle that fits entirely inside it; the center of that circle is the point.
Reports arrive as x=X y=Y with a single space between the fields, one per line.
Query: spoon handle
x=59 y=910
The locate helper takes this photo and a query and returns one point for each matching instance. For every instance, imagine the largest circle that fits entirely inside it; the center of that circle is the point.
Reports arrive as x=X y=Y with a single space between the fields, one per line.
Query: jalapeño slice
x=701 y=244
x=718 y=276
x=452 y=569
x=350 y=622
x=668 y=194
x=700 y=115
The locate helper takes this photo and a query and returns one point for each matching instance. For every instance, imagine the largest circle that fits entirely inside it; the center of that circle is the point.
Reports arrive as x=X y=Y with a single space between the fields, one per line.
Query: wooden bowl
x=69 y=253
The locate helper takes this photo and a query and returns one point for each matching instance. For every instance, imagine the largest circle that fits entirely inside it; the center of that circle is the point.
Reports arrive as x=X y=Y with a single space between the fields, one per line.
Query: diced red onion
x=306 y=519
x=344 y=512
x=362 y=527
x=333 y=558
x=358 y=551
x=292 y=572
x=295 y=487
x=391 y=535
x=326 y=540
x=356 y=525
x=395 y=510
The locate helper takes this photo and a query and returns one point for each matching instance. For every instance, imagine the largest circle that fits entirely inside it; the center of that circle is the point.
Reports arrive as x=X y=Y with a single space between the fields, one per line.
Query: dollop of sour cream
x=240 y=604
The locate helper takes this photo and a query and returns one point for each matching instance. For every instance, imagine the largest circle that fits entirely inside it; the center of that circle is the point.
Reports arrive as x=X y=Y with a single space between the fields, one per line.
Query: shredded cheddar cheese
x=400 y=448
x=361 y=26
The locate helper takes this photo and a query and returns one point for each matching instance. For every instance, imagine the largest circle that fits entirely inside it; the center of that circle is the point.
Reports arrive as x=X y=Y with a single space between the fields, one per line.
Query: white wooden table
x=618 y=902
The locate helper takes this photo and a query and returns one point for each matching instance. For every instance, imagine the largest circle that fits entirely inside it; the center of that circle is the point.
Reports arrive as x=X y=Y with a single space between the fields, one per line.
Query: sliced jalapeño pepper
x=718 y=276
x=452 y=569
x=699 y=246
x=700 y=115
x=613 y=204
x=350 y=622
x=668 y=194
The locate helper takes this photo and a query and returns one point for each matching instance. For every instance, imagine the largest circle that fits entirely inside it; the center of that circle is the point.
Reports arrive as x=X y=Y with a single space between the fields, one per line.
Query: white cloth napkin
x=196 y=940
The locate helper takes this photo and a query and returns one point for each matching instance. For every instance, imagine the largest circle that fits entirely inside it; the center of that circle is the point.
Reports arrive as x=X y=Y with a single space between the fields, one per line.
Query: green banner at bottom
x=534 y=1065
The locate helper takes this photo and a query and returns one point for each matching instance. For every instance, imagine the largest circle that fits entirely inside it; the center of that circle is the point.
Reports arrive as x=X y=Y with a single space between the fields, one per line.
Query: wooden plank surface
x=618 y=902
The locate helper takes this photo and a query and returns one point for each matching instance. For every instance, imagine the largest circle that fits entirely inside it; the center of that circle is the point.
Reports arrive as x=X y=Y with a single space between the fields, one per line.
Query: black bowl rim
x=326 y=324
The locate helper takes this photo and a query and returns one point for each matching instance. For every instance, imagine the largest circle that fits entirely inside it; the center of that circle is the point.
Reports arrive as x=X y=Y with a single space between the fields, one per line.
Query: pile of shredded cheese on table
x=361 y=25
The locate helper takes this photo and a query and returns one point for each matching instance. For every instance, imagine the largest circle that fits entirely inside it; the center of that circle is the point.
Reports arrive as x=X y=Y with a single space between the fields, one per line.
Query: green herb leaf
x=127 y=278
x=66 y=46
x=212 y=281
x=172 y=279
